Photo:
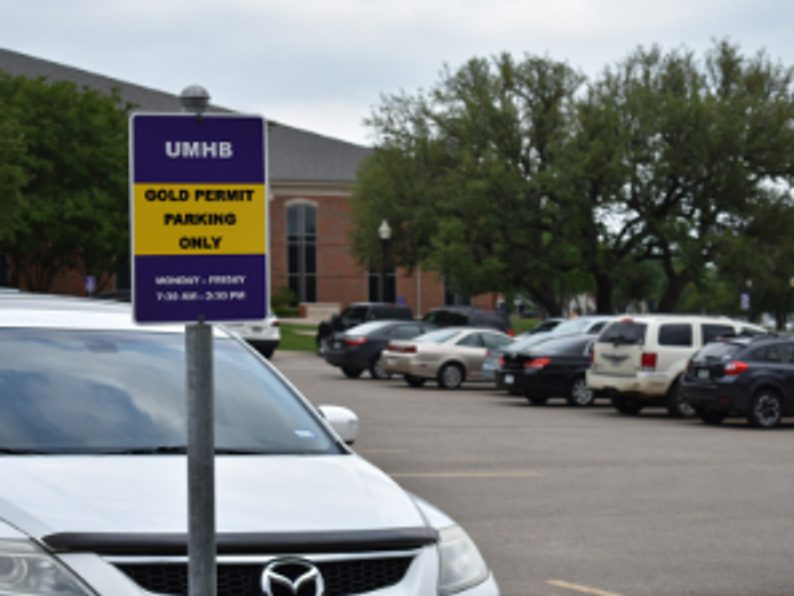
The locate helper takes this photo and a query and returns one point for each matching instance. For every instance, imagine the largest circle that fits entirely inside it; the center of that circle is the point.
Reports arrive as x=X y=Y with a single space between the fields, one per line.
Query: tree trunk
x=672 y=293
x=547 y=299
x=604 y=289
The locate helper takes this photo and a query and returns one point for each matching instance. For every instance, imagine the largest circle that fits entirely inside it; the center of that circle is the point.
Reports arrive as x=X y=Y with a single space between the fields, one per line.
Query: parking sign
x=199 y=217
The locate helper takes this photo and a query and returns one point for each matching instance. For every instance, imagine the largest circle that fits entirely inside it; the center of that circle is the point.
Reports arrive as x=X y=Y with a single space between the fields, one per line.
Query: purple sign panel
x=198 y=213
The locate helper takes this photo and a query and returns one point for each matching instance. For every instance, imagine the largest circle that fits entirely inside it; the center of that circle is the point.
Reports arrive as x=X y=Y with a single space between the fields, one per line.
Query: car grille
x=341 y=577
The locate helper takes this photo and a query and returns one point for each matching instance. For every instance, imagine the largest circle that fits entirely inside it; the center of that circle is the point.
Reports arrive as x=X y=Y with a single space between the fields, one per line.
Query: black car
x=357 y=313
x=468 y=316
x=358 y=349
x=753 y=377
x=554 y=368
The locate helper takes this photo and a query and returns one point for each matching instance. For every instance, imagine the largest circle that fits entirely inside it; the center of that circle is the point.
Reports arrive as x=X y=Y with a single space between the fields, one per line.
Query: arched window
x=302 y=250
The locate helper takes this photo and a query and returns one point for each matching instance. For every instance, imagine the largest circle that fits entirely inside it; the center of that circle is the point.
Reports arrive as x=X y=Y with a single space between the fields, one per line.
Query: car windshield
x=439 y=336
x=367 y=328
x=717 y=351
x=67 y=391
x=624 y=332
x=574 y=326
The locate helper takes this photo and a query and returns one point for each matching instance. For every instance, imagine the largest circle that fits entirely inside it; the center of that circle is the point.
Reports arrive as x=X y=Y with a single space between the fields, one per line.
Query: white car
x=263 y=335
x=638 y=360
x=94 y=492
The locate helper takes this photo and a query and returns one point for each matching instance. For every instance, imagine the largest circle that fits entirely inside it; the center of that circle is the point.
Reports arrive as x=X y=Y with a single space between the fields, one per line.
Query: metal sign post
x=198 y=201
x=202 y=572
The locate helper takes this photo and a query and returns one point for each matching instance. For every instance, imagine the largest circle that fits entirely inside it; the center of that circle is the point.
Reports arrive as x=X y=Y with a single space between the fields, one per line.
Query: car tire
x=675 y=404
x=451 y=376
x=579 y=394
x=376 y=369
x=766 y=409
x=536 y=400
x=712 y=417
x=627 y=407
x=351 y=372
x=414 y=381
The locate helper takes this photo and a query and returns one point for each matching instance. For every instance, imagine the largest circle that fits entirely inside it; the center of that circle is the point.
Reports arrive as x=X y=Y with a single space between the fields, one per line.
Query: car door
x=470 y=350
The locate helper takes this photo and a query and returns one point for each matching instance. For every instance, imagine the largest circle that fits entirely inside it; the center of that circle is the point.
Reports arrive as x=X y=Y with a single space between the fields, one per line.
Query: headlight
x=462 y=566
x=27 y=570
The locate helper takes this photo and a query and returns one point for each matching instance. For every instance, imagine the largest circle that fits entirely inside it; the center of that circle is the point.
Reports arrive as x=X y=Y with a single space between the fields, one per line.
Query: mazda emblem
x=292 y=577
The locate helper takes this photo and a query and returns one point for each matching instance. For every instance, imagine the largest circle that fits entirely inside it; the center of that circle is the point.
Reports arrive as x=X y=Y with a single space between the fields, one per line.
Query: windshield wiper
x=179 y=450
x=156 y=450
x=23 y=451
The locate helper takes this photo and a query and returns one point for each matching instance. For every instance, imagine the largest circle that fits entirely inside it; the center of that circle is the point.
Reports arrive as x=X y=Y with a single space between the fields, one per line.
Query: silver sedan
x=450 y=356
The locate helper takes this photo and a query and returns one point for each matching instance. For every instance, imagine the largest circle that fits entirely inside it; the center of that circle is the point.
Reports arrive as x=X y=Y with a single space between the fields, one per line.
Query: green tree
x=72 y=146
x=673 y=155
x=466 y=174
x=12 y=176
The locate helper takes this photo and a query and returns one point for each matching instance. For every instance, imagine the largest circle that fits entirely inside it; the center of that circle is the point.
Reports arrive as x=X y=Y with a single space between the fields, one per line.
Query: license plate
x=703 y=373
x=509 y=379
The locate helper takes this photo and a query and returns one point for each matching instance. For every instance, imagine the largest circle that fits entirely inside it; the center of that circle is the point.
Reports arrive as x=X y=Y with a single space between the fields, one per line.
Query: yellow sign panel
x=200 y=219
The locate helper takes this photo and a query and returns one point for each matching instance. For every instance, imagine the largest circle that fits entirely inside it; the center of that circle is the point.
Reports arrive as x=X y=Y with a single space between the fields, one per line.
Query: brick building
x=311 y=180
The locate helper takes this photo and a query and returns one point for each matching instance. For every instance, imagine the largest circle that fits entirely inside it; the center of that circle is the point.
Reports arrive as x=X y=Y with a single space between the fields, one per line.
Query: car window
x=675 y=334
x=446 y=318
x=711 y=331
x=717 y=351
x=439 y=336
x=472 y=340
x=624 y=332
x=495 y=341
x=367 y=328
x=782 y=353
x=751 y=332
x=405 y=331
x=354 y=313
x=68 y=391
x=597 y=327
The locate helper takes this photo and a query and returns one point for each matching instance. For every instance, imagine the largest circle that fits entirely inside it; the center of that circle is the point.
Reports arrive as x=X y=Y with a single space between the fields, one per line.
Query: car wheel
x=414 y=381
x=712 y=417
x=766 y=409
x=450 y=376
x=579 y=394
x=351 y=372
x=675 y=404
x=376 y=369
x=537 y=401
x=627 y=407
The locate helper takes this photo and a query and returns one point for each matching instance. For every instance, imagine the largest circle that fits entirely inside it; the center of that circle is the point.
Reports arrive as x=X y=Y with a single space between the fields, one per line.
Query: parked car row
x=694 y=366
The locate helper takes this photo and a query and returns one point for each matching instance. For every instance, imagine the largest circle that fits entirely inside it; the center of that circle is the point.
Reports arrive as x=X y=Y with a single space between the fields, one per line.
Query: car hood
x=42 y=496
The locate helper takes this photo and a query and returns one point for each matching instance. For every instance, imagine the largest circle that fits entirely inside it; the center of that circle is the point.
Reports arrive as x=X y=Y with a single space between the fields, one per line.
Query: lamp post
x=384 y=232
x=791 y=285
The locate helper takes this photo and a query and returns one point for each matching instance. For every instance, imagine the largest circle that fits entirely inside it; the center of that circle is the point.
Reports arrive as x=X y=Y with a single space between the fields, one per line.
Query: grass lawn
x=298 y=337
x=521 y=325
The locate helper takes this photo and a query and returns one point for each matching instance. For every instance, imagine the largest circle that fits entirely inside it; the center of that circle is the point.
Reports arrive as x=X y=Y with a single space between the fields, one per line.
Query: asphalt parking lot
x=583 y=501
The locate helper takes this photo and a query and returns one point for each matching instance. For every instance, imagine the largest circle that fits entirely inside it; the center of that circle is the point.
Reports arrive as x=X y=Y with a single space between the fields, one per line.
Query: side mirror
x=343 y=420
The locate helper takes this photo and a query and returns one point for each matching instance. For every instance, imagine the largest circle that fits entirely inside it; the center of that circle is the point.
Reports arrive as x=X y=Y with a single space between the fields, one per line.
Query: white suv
x=93 y=498
x=263 y=335
x=637 y=360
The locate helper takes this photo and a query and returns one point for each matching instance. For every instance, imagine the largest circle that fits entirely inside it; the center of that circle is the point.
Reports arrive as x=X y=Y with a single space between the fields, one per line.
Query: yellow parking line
x=557 y=583
x=494 y=474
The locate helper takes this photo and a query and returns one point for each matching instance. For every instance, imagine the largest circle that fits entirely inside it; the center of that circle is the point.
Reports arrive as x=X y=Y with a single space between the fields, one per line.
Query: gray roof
x=296 y=156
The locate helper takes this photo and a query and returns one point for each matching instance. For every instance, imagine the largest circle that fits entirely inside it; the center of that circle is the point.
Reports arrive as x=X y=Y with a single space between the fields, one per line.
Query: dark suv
x=753 y=377
x=468 y=316
x=355 y=314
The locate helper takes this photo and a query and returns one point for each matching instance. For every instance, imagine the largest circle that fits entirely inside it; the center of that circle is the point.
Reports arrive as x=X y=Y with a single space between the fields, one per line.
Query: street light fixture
x=384 y=233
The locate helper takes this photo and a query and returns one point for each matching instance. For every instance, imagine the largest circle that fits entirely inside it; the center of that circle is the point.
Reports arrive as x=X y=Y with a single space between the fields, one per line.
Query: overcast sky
x=323 y=64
